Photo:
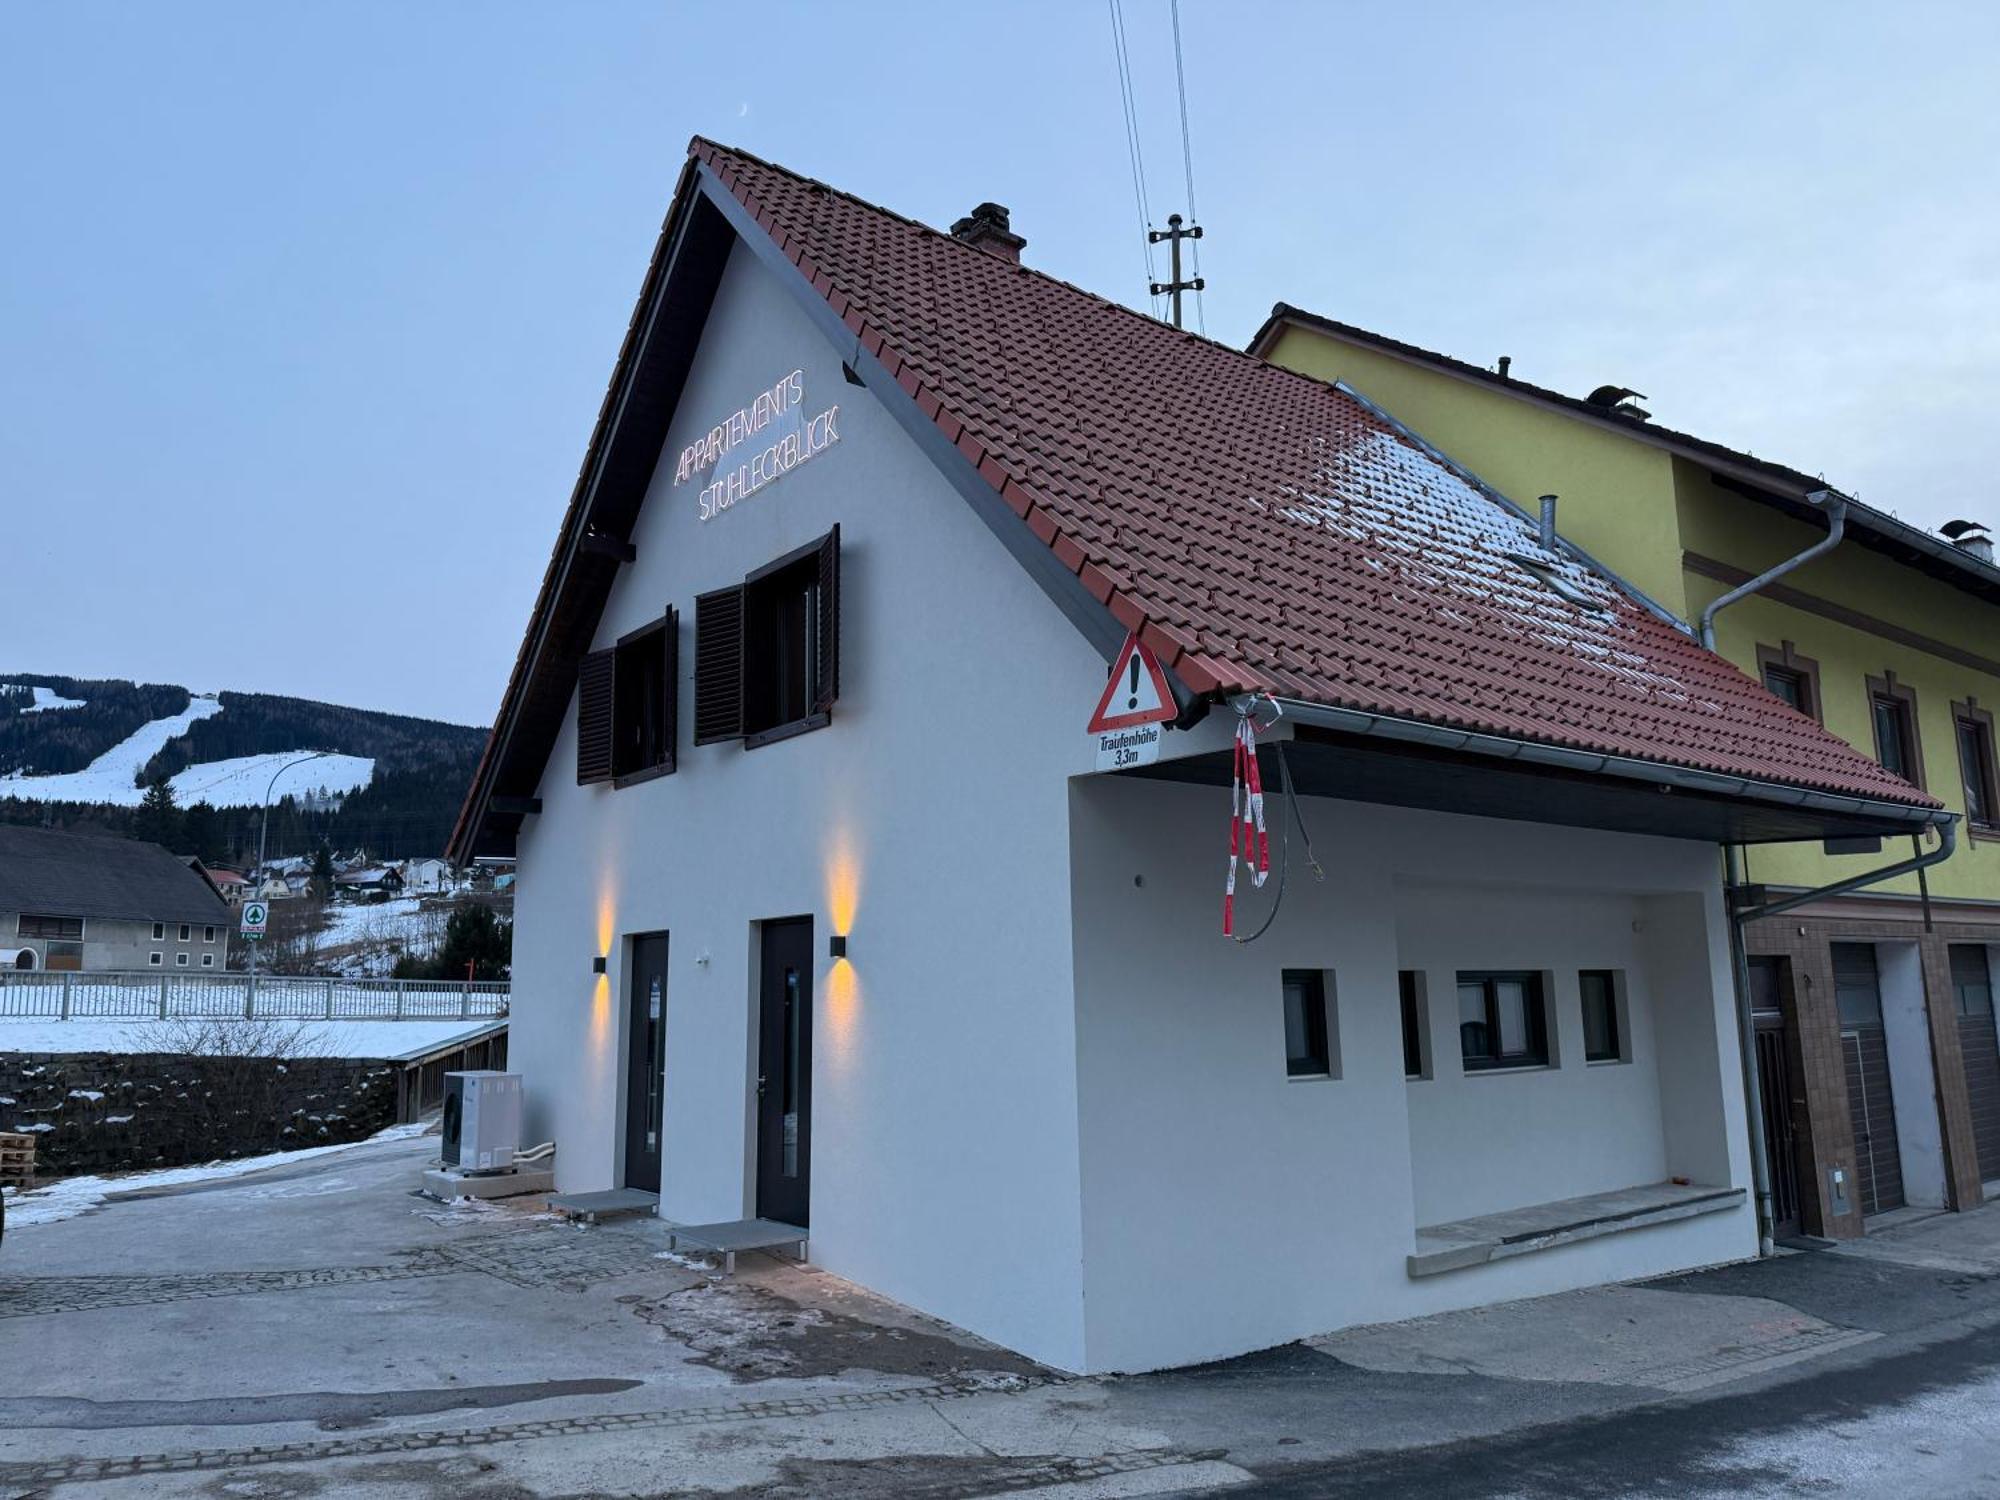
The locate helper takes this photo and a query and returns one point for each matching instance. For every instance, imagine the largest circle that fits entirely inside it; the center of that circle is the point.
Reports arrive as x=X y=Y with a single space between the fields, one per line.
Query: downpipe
x=1835 y=506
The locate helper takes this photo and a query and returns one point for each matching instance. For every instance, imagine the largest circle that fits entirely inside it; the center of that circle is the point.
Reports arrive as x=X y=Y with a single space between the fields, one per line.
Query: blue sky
x=305 y=312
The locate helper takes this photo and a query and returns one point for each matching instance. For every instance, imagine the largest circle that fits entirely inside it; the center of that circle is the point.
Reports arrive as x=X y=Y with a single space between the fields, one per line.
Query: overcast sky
x=305 y=312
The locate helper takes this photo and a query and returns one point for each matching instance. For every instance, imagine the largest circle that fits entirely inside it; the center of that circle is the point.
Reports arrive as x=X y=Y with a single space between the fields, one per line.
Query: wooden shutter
x=827 y=675
x=594 y=694
x=671 y=708
x=718 y=665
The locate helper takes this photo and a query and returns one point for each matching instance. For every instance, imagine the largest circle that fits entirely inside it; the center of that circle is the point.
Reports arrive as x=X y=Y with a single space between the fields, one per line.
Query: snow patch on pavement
x=78 y=1195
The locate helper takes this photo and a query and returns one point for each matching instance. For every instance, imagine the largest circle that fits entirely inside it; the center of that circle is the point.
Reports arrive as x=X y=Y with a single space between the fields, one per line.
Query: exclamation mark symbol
x=1133 y=701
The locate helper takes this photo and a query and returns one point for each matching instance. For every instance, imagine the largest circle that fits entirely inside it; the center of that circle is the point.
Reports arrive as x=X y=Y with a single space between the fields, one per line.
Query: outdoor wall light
x=836 y=945
x=597 y=964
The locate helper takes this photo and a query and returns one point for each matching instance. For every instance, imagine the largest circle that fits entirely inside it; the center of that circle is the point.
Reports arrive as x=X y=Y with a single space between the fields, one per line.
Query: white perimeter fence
x=56 y=996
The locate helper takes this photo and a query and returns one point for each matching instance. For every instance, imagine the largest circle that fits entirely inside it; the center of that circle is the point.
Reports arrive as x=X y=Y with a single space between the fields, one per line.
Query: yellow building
x=1878 y=1060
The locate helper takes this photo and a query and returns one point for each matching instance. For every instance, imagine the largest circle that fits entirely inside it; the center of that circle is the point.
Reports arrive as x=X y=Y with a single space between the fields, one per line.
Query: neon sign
x=775 y=420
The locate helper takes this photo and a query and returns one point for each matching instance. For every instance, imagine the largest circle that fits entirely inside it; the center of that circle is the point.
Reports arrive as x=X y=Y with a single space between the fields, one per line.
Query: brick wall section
x=115 y=1111
x=1814 y=1024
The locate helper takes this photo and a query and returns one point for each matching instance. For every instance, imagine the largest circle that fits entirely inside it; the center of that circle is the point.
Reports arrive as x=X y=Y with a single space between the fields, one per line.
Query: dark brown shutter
x=594 y=693
x=671 y=728
x=718 y=665
x=827 y=677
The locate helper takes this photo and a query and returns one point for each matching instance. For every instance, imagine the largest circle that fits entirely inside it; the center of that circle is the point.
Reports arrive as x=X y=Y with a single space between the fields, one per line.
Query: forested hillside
x=46 y=743
x=259 y=723
x=422 y=768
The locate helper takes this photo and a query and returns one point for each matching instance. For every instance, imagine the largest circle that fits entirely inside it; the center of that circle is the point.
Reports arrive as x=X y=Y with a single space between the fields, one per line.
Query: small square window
x=1501 y=1020
x=1603 y=1025
x=154 y=959
x=1309 y=1039
x=159 y=932
x=208 y=960
x=180 y=960
x=1416 y=1024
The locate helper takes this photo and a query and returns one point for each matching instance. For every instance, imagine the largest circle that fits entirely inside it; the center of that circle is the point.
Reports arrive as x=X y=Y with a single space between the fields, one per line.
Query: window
x=50 y=927
x=208 y=960
x=1603 y=1023
x=1308 y=1038
x=626 y=697
x=159 y=932
x=1857 y=987
x=1971 y=979
x=154 y=959
x=1500 y=1020
x=1974 y=729
x=1893 y=709
x=767 y=650
x=208 y=934
x=1416 y=1024
x=180 y=960
x=186 y=932
x=1790 y=677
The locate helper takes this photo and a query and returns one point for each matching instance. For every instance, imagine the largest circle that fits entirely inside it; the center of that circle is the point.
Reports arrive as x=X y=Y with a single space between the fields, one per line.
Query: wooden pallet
x=17 y=1159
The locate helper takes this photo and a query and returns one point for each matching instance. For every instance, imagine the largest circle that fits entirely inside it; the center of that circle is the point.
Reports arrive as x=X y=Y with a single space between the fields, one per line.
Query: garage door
x=1972 y=985
x=1878 y=1162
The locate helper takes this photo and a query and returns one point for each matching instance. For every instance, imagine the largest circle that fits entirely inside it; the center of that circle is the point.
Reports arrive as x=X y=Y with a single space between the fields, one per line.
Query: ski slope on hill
x=238 y=782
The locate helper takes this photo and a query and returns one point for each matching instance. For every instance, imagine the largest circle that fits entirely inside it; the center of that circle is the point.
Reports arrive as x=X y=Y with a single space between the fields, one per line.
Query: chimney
x=986 y=228
x=1971 y=538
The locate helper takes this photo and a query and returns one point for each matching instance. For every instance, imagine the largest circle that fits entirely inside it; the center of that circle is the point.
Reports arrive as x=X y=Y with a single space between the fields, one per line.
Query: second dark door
x=784 y=1073
x=646 y=1061
x=1776 y=1093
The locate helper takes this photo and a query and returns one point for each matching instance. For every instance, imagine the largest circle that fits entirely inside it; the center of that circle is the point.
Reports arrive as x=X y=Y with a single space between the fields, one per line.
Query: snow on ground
x=45 y=698
x=78 y=1195
x=238 y=782
x=382 y=1039
x=362 y=922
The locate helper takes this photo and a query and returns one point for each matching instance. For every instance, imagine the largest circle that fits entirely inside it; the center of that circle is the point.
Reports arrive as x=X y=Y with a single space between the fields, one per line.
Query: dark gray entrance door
x=1972 y=990
x=1871 y=1104
x=1776 y=1093
x=645 y=1061
x=784 y=1073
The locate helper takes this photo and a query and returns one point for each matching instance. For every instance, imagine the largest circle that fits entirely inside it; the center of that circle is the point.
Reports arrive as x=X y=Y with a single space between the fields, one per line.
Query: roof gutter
x=1947 y=844
x=1655 y=773
x=1835 y=505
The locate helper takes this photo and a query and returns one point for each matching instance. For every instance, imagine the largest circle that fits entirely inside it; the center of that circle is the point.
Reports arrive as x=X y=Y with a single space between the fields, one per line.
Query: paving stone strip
x=35 y=1296
x=78 y=1470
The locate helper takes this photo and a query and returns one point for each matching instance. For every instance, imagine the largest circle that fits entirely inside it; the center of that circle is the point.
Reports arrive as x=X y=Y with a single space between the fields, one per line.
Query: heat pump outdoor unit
x=482 y=1120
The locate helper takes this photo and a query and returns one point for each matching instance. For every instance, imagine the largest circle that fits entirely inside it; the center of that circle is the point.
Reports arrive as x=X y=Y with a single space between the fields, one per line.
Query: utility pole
x=1174 y=287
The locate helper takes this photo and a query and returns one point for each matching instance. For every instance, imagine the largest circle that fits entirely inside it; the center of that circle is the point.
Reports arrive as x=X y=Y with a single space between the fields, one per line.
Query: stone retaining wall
x=97 y=1111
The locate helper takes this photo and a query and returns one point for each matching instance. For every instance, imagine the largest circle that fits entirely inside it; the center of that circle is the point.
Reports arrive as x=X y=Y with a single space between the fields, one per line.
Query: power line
x=1187 y=163
x=1137 y=157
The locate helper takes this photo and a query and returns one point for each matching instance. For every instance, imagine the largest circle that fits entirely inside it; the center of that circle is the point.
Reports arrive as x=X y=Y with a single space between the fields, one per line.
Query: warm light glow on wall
x=842 y=990
x=843 y=881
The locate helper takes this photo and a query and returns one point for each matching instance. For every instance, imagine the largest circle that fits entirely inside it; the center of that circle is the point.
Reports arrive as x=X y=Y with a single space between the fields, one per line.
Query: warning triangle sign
x=1137 y=692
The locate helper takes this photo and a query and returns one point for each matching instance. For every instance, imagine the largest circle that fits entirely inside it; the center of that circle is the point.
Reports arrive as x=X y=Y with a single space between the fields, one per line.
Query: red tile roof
x=1264 y=530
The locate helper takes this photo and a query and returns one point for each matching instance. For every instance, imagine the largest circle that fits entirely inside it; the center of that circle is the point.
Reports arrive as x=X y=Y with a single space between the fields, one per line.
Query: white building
x=425 y=877
x=868 y=511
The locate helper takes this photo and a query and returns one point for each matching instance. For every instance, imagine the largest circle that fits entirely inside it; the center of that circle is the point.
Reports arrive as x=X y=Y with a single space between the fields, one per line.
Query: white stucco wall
x=929 y=821
x=1254 y=1208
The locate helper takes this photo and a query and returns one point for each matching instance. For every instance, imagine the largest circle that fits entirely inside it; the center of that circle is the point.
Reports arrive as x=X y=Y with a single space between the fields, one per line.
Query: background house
x=93 y=901
x=1874 y=1013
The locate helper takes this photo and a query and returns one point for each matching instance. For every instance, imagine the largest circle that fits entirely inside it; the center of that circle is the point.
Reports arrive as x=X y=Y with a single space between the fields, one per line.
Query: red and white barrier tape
x=1246 y=818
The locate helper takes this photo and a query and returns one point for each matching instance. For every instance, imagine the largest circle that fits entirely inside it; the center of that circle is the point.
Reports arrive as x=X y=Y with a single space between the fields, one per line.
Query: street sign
x=1133 y=712
x=1137 y=692
x=255 y=914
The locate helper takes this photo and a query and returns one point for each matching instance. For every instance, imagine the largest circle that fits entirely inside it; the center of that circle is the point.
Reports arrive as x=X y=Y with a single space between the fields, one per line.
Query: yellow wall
x=1637 y=509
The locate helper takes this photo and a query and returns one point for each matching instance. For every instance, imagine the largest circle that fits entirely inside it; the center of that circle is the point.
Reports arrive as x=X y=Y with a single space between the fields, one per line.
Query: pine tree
x=158 y=820
x=322 y=873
